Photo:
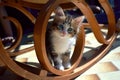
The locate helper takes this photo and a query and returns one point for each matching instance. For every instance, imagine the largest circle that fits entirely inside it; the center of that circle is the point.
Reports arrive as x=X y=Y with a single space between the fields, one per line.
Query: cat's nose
x=63 y=33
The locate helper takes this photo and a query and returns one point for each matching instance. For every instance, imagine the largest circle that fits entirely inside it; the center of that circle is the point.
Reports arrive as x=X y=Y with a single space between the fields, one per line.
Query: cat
x=59 y=38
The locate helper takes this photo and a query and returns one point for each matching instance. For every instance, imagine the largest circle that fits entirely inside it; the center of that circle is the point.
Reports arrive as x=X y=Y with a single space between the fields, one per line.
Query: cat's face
x=64 y=26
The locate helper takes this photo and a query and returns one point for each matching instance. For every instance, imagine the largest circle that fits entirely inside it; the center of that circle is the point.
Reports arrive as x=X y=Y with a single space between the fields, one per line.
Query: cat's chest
x=61 y=45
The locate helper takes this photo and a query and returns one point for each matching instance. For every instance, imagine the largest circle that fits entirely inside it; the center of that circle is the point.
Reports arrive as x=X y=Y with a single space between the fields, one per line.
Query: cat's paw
x=59 y=67
x=67 y=65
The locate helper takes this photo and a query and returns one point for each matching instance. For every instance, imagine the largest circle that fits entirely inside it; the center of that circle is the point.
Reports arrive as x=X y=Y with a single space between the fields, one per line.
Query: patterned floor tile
x=111 y=56
x=109 y=76
x=101 y=68
x=117 y=64
x=88 y=77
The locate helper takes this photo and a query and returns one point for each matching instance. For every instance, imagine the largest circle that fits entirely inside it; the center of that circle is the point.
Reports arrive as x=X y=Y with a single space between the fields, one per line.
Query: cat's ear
x=59 y=12
x=78 y=21
x=59 y=15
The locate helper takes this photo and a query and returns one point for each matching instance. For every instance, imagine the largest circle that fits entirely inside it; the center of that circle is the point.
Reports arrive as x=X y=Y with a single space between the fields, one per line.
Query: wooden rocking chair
x=46 y=8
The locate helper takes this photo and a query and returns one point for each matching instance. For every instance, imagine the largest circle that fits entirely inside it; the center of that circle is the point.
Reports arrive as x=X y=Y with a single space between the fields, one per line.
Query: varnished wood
x=46 y=8
x=110 y=17
x=19 y=33
x=18 y=25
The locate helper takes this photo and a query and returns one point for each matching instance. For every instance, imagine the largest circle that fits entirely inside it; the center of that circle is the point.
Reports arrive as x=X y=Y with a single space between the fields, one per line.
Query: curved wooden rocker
x=18 y=26
x=39 y=38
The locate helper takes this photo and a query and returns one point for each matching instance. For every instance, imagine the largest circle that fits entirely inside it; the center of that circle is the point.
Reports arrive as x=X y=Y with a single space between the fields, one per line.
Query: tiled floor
x=107 y=68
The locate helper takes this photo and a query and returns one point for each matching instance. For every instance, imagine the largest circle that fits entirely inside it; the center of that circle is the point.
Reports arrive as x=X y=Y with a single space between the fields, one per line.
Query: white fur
x=61 y=44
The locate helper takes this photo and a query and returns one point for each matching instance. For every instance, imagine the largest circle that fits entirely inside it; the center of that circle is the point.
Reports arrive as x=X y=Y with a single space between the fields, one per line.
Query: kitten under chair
x=59 y=38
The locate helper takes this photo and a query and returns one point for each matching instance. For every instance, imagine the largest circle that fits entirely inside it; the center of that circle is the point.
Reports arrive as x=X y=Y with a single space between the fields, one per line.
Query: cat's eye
x=60 y=27
x=70 y=30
